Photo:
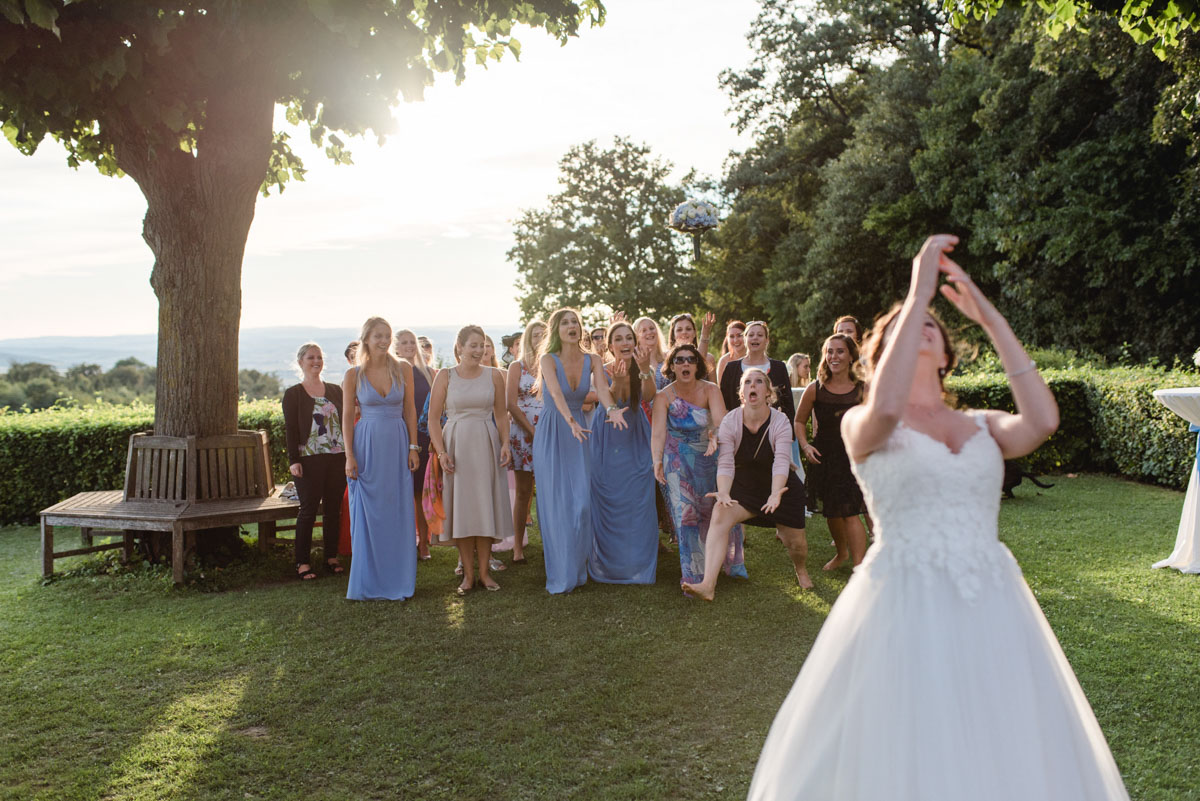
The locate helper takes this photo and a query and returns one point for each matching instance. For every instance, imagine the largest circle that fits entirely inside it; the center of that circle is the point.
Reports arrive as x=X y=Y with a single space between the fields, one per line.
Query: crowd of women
x=627 y=433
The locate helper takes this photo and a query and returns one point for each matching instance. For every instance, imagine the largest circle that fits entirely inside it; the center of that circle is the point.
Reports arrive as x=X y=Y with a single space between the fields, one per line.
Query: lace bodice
x=934 y=510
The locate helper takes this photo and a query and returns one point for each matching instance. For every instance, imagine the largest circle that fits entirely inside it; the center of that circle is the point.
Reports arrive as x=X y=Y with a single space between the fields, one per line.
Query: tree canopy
x=181 y=96
x=603 y=240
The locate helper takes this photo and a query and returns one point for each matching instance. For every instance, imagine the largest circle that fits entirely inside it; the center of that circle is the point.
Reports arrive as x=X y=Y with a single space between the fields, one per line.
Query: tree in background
x=1077 y=203
x=181 y=95
x=603 y=240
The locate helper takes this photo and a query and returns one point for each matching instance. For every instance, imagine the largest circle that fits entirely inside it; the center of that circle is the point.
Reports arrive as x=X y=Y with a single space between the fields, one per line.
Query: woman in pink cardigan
x=755 y=481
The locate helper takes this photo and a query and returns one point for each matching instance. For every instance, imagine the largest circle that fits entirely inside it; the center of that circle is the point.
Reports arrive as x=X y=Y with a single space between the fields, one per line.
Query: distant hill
x=269 y=350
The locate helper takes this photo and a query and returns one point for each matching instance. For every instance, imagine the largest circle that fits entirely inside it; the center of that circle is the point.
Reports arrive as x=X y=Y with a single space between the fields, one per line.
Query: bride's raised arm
x=1037 y=411
x=865 y=428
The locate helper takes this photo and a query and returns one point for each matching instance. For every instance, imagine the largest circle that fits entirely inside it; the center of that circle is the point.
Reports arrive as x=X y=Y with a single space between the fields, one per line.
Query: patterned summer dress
x=519 y=440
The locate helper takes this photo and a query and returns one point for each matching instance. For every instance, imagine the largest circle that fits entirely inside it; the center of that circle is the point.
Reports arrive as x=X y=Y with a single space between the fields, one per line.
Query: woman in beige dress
x=472 y=447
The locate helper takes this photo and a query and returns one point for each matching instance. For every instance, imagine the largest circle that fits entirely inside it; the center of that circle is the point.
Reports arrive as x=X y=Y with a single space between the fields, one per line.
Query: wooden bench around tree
x=179 y=485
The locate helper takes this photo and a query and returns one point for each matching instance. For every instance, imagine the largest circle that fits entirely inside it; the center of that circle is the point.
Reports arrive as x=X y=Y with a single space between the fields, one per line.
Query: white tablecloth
x=1186 y=556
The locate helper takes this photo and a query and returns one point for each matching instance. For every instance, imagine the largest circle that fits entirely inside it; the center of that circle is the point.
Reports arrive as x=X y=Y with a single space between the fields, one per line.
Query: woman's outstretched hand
x=721 y=498
x=617 y=418
x=577 y=431
x=928 y=265
x=964 y=294
x=773 y=500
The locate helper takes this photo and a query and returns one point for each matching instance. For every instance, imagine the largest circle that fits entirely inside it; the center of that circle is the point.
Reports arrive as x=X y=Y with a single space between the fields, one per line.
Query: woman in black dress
x=755 y=482
x=832 y=488
x=758 y=338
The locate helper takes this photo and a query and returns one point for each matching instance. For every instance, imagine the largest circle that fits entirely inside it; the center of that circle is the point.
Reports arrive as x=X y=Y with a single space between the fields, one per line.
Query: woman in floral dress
x=524 y=408
x=684 y=446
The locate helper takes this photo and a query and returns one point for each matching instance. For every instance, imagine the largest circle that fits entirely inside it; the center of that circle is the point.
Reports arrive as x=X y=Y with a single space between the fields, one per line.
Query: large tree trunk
x=199 y=212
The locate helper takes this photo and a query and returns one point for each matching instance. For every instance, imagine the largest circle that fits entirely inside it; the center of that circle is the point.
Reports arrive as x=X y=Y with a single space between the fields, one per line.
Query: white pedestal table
x=1186 y=556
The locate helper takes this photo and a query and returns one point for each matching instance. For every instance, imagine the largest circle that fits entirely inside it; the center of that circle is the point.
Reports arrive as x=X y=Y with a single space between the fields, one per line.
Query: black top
x=731 y=379
x=752 y=481
x=298 y=408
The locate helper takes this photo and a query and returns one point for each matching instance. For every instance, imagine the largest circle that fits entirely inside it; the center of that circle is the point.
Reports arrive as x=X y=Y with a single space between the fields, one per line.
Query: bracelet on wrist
x=1029 y=369
x=414 y=447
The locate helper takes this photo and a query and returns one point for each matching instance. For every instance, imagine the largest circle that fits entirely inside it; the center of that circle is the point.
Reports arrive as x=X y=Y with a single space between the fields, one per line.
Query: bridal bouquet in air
x=694 y=216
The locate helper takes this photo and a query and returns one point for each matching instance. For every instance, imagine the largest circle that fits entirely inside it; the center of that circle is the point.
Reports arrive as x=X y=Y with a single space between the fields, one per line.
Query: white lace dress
x=936 y=676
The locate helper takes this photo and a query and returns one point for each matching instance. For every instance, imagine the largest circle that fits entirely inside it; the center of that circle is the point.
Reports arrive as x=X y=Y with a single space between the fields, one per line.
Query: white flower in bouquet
x=694 y=216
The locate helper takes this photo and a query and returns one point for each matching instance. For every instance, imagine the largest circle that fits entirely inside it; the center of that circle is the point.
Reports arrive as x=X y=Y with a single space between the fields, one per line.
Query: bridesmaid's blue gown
x=625 y=550
x=382 y=521
x=563 y=467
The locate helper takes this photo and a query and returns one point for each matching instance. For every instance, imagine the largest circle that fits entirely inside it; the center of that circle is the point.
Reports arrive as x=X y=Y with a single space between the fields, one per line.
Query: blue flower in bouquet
x=693 y=216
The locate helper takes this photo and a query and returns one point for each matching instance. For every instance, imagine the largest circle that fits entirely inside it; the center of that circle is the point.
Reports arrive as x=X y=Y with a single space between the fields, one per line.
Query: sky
x=417 y=229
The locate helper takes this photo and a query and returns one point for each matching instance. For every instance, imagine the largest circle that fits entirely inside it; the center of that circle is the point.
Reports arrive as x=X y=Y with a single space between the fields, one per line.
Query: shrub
x=50 y=455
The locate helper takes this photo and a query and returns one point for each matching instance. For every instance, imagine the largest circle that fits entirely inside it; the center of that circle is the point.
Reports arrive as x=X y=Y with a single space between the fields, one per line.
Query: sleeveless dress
x=563 y=467
x=383 y=523
x=475 y=495
x=625 y=550
x=518 y=439
x=690 y=477
x=752 y=481
x=936 y=676
x=832 y=490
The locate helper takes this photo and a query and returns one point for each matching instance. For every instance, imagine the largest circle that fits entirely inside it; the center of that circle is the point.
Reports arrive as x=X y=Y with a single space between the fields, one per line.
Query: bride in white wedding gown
x=936 y=677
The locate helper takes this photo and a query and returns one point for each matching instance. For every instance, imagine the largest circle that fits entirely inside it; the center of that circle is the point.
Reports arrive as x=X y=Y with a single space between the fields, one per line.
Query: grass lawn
x=121 y=687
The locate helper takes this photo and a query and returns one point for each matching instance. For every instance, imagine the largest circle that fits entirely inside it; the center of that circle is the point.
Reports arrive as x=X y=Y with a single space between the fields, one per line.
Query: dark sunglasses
x=684 y=360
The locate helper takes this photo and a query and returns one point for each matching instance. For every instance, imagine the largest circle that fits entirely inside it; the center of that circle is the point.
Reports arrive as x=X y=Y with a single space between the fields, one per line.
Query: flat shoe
x=492 y=587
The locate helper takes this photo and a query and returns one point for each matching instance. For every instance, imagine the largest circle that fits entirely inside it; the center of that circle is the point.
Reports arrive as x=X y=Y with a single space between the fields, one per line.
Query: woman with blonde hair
x=407 y=347
x=381 y=454
x=758 y=342
x=832 y=489
x=562 y=459
x=472 y=449
x=524 y=408
x=798 y=366
x=650 y=336
x=755 y=482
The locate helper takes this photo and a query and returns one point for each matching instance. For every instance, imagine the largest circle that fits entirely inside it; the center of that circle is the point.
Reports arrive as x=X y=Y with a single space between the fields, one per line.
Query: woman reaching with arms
x=936 y=676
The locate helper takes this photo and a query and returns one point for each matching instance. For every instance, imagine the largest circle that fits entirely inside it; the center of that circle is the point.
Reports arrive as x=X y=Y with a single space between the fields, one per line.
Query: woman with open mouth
x=755 y=482
x=625 y=550
x=758 y=340
x=562 y=458
x=733 y=347
x=686 y=414
x=832 y=488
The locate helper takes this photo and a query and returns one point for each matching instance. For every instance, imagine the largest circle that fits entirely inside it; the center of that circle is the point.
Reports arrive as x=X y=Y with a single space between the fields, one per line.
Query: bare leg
x=856 y=538
x=837 y=529
x=797 y=548
x=524 y=480
x=483 y=553
x=466 y=555
x=716 y=547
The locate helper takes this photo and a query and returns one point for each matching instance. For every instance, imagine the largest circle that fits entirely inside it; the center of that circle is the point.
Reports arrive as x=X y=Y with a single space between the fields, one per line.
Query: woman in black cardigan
x=312 y=414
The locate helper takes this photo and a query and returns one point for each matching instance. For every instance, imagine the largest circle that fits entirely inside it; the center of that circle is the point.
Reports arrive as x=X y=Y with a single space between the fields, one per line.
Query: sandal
x=334 y=568
x=305 y=575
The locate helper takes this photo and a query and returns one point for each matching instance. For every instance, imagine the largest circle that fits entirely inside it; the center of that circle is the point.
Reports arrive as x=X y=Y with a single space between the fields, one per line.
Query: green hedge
x=1110 y=422
x=50 y=455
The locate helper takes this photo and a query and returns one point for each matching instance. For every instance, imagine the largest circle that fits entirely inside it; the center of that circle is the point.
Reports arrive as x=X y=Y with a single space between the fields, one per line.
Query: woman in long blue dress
x=687 y=413
x=562 y=460
x=379 y=463
x=625 y=549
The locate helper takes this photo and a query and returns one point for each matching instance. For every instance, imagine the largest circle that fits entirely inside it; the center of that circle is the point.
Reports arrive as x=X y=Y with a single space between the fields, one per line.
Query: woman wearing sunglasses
x=687 y=412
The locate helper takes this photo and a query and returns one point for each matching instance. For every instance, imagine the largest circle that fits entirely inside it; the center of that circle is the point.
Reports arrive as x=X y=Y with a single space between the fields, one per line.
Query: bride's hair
x=877 y=339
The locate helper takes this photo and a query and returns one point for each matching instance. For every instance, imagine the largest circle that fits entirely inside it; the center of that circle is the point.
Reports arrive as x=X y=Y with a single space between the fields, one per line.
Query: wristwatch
x=645 y=376
x=611 y=408
x=414 y=447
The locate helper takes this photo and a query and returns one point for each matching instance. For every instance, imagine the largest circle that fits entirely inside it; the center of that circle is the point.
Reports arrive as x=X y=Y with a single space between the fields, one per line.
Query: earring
x=942 y=372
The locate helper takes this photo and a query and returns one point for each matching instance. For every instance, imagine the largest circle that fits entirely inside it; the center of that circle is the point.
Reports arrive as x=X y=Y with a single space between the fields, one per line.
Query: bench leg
x=177 y=552
x=127 y=546
x=266 y=535
x=85 y=536
x=47 y=549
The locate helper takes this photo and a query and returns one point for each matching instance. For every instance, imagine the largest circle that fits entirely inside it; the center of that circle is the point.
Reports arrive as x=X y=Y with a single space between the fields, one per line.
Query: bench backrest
x=198 y=469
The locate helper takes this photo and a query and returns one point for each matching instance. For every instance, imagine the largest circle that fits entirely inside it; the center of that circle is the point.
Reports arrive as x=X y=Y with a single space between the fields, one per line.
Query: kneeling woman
x=755 y=481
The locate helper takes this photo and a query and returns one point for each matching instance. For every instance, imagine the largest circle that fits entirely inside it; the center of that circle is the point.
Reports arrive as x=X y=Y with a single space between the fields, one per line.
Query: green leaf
x=514 y=47
x=43 y=14
x=11 y=9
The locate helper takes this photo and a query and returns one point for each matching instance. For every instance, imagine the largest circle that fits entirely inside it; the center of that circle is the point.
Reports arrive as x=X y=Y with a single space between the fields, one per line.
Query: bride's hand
x=927 y=266
x=964 y=294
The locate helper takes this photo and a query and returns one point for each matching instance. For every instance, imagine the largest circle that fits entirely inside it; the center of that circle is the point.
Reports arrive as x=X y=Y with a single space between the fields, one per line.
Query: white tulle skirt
x=914 y=692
